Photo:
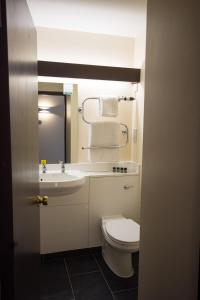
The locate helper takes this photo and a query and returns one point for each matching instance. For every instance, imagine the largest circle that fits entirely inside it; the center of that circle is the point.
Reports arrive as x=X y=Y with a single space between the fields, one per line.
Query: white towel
x=104 y=134
x=109 y=107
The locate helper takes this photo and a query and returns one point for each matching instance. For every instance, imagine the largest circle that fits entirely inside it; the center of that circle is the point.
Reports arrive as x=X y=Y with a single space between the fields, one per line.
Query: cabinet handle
x=127 y=187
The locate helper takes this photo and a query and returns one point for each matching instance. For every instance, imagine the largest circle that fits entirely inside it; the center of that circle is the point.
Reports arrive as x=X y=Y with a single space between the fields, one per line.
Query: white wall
x=84 y=48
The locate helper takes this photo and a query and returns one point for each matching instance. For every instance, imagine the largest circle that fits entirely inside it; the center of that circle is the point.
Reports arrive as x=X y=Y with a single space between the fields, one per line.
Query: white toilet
x=121 y=238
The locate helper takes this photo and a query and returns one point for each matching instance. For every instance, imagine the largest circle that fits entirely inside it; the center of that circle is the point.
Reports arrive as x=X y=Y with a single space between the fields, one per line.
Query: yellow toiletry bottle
x=43 y=162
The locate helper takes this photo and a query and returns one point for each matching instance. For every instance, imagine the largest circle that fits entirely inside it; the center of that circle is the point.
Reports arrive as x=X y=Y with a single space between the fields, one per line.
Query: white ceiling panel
x=113 y=17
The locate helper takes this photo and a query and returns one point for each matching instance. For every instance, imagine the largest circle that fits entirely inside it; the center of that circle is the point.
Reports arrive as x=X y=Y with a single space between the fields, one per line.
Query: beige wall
x=84 y=48
x=138 y=107
x=50 y=87
x=169 y=241
x=139 y=62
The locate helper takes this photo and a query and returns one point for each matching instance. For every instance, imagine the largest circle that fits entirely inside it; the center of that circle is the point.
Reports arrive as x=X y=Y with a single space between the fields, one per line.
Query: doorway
x=52 y=112
x=21 y=181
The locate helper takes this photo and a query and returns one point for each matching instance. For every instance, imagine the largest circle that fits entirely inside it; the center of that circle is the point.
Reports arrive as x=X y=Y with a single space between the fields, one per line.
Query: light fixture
x=67 y=89
x=43 y=110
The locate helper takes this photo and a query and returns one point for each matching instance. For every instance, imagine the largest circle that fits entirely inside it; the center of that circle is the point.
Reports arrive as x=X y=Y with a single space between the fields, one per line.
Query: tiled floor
x=83 y=275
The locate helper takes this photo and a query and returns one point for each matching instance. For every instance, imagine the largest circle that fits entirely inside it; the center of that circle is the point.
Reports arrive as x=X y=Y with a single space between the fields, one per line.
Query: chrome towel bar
x=124 y=131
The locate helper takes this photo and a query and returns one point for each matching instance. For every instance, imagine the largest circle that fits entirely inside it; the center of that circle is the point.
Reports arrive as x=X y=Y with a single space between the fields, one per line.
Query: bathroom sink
x=60 y=183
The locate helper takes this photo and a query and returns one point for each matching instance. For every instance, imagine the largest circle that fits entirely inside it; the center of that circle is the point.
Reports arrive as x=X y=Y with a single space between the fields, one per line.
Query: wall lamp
x=43 y=110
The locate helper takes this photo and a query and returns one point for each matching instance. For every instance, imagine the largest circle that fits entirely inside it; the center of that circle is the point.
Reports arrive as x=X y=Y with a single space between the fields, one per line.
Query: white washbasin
x=60 y=183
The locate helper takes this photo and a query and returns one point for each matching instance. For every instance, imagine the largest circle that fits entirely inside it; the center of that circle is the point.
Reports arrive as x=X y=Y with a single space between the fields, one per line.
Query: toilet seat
x=123 y=231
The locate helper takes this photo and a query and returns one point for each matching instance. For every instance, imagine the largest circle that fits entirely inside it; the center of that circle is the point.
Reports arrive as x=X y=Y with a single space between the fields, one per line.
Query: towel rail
x=82 y=109
x=125 y=131
x=113 y=146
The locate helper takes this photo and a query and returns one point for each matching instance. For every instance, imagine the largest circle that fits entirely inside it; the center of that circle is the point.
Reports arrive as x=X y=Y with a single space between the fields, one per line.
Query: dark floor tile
x=57 y=296
x=60 y=255
x=96 y=251
x=135 y=258
x=77 y=252
x=54 y=283
x=52 y=257
x=90 y=287
x=127 y=295
x=115 y=282
x=81 y=264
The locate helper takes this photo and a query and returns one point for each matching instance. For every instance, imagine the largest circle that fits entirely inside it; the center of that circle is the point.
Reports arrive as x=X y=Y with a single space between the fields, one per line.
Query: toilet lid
x=123 y=230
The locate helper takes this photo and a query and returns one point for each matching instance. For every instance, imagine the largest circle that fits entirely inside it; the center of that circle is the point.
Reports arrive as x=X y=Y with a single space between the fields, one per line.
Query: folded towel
x=104 y=134
x=109 y=107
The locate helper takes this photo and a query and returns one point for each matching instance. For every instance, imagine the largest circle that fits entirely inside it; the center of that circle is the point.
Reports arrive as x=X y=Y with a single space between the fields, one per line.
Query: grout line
x=70 y=283
x=85 y=273
x=113 y=296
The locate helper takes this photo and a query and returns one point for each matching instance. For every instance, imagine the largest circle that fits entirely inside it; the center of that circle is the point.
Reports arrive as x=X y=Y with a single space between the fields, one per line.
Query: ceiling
x=113 y=17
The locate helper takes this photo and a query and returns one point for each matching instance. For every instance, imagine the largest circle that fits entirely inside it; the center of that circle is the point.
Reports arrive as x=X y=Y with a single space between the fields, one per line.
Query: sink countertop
x=95 y=174
x=105 y=174
x=95 y=169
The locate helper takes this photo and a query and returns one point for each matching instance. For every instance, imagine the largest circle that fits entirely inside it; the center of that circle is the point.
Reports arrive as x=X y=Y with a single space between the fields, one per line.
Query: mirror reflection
x=66 y=131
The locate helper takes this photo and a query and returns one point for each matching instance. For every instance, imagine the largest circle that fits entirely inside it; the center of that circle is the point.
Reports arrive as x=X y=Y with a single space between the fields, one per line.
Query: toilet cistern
x=62 y=166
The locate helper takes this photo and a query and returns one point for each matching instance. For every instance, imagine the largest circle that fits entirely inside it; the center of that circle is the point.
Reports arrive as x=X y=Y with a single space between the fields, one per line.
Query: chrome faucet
x=44 y=169
x=62 y=166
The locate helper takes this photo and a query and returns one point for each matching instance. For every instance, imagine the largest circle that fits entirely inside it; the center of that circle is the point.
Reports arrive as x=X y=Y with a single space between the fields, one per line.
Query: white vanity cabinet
x=73 y=221
x=111 y=195
x=64 y=222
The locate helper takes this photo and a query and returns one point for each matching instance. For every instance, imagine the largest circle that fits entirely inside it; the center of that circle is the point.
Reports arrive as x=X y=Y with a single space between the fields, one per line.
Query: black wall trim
x=50 y=93
x=58 y=69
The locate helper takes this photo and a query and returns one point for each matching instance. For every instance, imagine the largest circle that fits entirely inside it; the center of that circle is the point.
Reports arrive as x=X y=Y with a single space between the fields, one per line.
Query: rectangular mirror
x=62 y=132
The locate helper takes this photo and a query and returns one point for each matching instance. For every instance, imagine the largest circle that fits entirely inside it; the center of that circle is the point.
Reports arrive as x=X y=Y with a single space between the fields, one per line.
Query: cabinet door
x=63 y=228
x=64 y=222
x=111 y=196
